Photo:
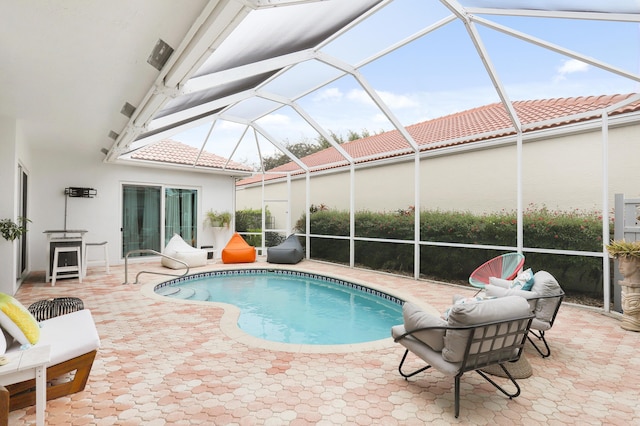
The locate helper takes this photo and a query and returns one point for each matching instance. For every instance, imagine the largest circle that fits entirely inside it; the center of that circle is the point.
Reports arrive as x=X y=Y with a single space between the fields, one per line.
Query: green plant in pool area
x=218 y=219
x=11 y=230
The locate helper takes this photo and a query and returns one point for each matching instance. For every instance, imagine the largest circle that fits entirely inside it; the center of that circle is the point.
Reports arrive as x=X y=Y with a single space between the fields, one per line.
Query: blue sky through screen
x=441 y=73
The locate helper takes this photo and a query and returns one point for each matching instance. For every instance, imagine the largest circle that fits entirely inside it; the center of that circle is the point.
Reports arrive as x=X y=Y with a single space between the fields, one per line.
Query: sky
x=436 y=75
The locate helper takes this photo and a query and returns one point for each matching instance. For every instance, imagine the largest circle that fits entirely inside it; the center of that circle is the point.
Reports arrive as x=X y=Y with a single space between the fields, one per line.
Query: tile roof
x=170 y=151
x=481 y=123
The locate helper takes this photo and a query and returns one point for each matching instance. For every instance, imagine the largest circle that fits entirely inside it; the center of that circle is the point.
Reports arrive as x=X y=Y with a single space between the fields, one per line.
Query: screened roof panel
x=301 y=78
x=610 y=6
x=382 y=30
x=373 y=64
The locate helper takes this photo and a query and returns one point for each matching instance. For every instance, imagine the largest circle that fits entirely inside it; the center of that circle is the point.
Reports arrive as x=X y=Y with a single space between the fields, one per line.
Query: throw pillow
x=18 y=321
x=524 y=280
x=416 y=318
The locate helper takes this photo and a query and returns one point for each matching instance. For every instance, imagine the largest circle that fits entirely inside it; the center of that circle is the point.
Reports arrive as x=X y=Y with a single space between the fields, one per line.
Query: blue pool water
x=295 y=307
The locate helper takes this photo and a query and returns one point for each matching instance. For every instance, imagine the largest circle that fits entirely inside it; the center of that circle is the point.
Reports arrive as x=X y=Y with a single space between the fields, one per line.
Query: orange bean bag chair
x=238 y=251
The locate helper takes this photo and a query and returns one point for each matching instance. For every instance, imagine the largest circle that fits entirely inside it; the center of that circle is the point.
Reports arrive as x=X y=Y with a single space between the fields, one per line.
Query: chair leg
x=407 y=375
x=54 y=269
x=457 y=395
x=500 y=388
x=540 y=336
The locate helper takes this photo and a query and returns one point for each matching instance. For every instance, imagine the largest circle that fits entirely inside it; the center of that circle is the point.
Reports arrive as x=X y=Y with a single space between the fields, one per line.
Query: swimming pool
x=294 y=307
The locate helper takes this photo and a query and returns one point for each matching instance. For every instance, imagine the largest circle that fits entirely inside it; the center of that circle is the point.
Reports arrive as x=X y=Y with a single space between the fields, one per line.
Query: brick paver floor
x=165 y=362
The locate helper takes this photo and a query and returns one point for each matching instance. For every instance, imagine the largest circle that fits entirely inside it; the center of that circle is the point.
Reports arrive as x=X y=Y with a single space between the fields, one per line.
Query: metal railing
x=126 y=265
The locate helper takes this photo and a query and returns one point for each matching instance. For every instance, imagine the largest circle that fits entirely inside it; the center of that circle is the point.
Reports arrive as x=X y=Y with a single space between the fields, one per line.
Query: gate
x=627 y=227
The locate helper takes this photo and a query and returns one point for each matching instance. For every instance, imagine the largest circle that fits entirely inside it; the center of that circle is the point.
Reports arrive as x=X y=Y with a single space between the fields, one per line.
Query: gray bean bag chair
x=289 y=251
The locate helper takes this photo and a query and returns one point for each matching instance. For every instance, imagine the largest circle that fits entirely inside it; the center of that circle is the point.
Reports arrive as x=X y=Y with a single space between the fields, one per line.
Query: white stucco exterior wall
x=8 y=176
x=101 y=216
x=561 y=173
x=50 y=171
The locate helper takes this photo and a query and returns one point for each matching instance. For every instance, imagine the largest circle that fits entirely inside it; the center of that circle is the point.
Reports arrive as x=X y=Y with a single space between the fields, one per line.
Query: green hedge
x=542 y=228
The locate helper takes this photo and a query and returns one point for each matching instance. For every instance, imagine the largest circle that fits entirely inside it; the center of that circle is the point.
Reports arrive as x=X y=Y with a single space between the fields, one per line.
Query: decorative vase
x=221 y=237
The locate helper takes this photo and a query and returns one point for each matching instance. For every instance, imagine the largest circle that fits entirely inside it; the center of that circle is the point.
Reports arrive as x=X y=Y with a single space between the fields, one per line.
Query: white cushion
x=415 y=318
x=177 y=248
x=479 y=312
x=69 y=336
x=500 y=282
x=544 y=284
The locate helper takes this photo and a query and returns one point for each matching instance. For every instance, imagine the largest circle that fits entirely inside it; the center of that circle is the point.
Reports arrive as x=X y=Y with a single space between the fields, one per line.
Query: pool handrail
x=126 y=265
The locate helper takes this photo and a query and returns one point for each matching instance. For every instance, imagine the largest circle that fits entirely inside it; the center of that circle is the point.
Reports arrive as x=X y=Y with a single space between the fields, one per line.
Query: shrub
x=543 y=228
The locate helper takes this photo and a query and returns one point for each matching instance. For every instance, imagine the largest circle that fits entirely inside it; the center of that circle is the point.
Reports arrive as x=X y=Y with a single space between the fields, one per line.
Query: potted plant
x=628 y=255
x=218 y=219
x=11 y=230
x=622 y=248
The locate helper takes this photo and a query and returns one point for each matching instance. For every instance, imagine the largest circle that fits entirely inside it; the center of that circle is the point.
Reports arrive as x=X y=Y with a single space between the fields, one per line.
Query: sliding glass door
x=152 y=214
x=180 y=214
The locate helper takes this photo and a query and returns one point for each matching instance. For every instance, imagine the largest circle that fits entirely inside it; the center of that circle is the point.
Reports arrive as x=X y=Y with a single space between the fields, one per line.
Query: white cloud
x=392 y=100
x=330 y=94
x=274 y=119
x=570 y=66
x=398 y=101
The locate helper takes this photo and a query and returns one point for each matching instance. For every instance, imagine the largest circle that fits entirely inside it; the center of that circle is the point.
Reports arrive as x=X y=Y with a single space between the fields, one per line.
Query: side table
x=26 y=365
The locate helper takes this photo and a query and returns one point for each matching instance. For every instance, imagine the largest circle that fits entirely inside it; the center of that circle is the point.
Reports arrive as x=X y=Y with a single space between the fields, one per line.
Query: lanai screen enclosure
x=250 y=65
x=251 y=75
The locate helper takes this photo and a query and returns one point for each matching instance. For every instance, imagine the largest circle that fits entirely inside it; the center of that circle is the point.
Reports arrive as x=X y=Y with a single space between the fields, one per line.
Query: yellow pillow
x=18 y=321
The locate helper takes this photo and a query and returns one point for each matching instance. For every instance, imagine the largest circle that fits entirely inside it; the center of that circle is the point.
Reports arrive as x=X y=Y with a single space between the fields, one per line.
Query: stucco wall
x=563 y=173
x=8 y=173
x=53 y=171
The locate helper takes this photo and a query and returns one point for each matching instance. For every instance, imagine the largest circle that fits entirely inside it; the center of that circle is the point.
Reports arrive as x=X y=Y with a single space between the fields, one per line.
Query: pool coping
x=229 y=320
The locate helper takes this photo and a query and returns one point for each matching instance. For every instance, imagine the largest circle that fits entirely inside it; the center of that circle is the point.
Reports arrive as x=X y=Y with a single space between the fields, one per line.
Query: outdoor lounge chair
x=74 y=343
x=289 y=251
x=238 y=251
x=545 y=298
x=475 y=335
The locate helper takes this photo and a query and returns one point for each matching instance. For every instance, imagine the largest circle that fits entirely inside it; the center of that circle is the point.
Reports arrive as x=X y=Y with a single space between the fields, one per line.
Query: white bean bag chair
x=177 y=248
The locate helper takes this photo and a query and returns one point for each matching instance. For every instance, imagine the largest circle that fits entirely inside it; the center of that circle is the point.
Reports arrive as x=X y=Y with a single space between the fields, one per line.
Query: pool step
x=200 y=294
x=183 y=293
x=186 y=293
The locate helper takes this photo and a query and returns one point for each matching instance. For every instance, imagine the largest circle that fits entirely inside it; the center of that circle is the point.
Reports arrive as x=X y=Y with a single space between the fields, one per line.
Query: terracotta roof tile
x=481 y=123
x=170 y=151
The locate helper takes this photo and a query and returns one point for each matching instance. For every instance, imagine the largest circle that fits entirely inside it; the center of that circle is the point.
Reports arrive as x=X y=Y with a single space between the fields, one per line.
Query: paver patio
x=168 y=363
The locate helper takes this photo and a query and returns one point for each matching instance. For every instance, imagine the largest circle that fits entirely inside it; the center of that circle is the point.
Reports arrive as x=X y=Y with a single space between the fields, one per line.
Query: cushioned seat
x=289 y=251
x=545 y=298
x=476 y=334
x=74 y=343
x=238 y=251
x=178 y=249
